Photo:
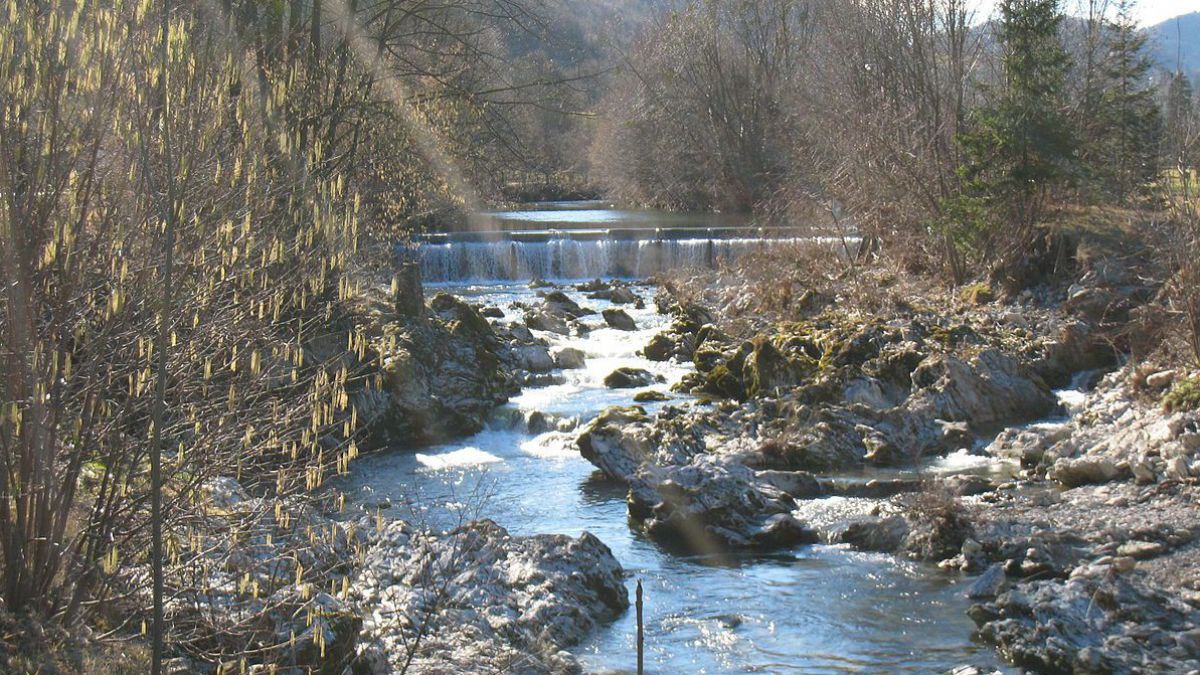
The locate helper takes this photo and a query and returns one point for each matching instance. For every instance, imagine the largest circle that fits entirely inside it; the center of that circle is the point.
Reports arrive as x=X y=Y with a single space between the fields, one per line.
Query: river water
x=811 y=609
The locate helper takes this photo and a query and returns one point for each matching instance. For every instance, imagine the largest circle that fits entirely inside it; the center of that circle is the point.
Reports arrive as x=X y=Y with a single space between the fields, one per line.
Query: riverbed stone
x=1073 y=472
x=560 y=304
x=617 y=318
x=570 y=358
x=623 y=295
x=535 y=358
x=545 y=321
x=629 y=378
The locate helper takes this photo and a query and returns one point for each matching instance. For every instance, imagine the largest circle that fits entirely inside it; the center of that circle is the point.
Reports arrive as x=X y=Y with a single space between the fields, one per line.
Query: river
x=812 y=609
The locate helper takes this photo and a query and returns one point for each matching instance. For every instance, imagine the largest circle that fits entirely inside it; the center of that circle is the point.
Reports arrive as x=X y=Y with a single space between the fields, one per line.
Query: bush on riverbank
x=263 y=152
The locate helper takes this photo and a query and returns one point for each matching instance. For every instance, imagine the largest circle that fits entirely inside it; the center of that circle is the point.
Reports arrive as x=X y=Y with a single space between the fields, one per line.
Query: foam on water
x=462 y=457
x=962 y=461
x=552 y=445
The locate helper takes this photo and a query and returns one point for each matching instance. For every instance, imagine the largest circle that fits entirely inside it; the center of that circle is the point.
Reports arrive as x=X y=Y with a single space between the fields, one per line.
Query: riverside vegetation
x=202 y=320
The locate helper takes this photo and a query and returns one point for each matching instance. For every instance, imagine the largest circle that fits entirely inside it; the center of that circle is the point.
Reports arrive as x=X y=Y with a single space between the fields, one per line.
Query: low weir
x=588 y=253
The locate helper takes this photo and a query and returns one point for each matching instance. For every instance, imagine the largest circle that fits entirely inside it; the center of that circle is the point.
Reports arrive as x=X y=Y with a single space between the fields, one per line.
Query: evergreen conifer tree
x=1180 y=122
x=1130 y=124
x=1020 y=147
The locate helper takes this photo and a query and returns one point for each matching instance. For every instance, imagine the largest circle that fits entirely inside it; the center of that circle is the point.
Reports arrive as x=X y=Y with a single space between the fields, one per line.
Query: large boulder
x=570 y=358
x=560 y=304
x=622 y=439
x=622 y=295
x=660 y=348
x=711 y=506
x=993 y=388
x=479 y=599
x=442 y=376
x=618 y=442
x=534 y=357
x=1075 y=471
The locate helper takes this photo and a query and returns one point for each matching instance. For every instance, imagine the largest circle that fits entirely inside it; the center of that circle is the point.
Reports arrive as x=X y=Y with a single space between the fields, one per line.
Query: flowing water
x=811 y=609
x=587 y=242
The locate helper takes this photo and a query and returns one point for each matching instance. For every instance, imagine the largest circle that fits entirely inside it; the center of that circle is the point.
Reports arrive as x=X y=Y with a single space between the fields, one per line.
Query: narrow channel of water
x=812 y=609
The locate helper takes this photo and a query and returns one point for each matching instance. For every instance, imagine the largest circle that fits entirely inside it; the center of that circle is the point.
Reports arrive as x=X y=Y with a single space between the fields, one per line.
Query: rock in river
x=443 y=374
x=617 y=318
x=629 y=378
x=481 y=600
x=570 y=358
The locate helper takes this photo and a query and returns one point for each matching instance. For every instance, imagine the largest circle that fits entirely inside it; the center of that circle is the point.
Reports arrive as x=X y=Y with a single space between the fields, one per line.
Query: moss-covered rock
x=706 y=358
x=441 y=376
x=1184 y=396
x=660 y=348
x=767 y=370
x=720 y=381
x=650 y=396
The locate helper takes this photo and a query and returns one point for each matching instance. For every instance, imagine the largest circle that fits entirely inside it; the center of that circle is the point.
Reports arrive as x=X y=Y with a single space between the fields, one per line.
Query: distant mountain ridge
x=1176 y=43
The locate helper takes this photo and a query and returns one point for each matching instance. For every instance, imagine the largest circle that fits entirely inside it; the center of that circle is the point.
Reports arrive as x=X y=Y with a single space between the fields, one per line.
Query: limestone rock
x=1073 y=472
x=483 y=599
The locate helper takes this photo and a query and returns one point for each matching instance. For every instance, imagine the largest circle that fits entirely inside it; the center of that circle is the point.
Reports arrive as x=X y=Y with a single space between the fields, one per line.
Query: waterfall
x=563 y=257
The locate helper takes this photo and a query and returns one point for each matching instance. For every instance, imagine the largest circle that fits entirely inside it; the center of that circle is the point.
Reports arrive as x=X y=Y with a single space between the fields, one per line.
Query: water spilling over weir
x=588 y=253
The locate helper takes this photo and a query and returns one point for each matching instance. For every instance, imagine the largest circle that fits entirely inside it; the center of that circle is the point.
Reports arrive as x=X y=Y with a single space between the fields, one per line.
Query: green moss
x=707 y=358
x=977 y=294
x=649 y=396
x=1184 y=396
x=722 y=382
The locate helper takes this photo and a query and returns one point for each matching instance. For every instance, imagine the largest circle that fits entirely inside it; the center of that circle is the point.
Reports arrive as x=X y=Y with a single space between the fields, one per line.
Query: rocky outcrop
x=479 y=599
x=442 y=375
x=684 y=496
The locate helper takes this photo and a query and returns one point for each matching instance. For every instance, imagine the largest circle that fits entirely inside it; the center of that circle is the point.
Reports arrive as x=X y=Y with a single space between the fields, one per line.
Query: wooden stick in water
x=641 y=640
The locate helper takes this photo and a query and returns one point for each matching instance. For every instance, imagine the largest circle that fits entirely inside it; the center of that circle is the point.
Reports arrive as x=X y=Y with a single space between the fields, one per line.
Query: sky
x=1149 y=12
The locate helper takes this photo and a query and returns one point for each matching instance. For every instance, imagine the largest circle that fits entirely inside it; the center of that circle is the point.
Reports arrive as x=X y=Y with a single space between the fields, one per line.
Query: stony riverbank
x=1083 y=546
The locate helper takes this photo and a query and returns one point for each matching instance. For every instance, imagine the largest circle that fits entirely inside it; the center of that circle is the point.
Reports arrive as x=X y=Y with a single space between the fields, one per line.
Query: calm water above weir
x=813 y=609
